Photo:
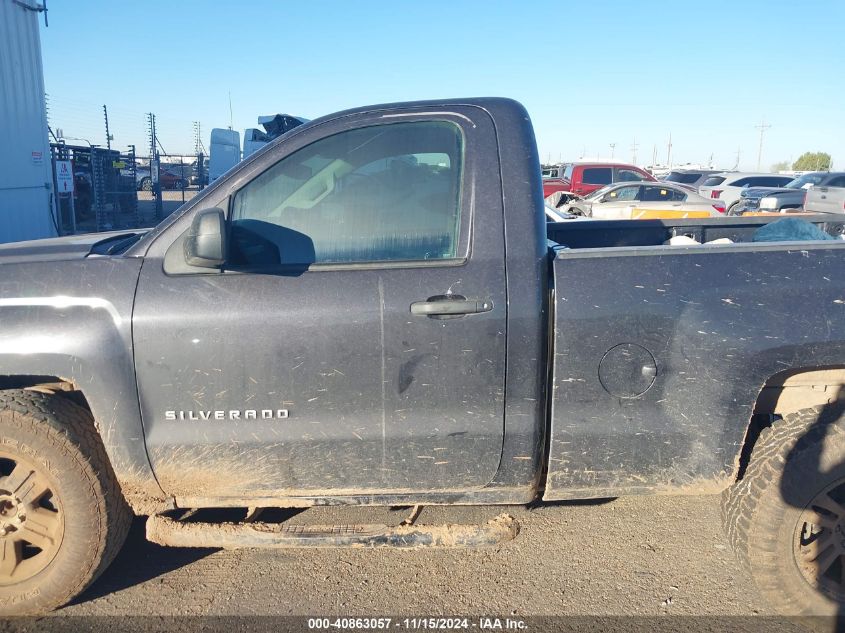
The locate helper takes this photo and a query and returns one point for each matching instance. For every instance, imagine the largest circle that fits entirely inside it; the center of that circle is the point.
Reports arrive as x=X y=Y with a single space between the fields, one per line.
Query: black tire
x=58 y=439
x=795 y=462
x=146 y=184
x=733 y=209
x=182 y=184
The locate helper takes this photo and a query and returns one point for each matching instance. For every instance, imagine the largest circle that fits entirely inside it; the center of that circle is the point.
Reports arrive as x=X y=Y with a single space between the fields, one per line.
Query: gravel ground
x=641 y=555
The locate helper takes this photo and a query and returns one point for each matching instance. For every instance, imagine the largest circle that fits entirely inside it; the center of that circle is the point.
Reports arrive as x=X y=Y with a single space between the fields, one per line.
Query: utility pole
x=762 y=127
x=108 y=136
x=669 y=152
x=154 y=166
x=612 y=149
x=654 y=156
x=199 y=150
x=634 y=147
x=738 y=154
x=197 y=137
x=231 y=123
x=151 y=131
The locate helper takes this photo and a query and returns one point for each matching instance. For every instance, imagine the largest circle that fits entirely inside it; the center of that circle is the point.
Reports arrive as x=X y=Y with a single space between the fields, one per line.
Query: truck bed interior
x=600 y=234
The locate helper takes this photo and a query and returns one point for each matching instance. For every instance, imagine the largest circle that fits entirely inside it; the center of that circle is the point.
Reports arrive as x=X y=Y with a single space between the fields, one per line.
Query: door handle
x=450 y=306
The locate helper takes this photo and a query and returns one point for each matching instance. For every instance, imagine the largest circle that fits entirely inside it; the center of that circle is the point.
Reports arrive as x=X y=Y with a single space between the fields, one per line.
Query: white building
x=27 y=207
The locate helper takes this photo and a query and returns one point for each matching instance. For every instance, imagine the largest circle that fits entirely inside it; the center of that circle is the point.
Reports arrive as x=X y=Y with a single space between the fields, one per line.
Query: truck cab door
x=828 y=198
x=353 y=342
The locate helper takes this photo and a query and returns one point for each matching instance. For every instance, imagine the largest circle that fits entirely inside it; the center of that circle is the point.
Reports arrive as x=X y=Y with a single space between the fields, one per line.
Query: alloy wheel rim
x=819 y=542
x=31 y=520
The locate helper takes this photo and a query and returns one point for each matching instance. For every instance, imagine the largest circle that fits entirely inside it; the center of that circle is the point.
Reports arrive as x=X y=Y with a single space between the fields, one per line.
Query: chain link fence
x=114 y=190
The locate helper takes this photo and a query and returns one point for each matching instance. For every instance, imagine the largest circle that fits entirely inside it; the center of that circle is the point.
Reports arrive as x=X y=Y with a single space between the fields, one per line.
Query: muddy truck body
x=372 y=310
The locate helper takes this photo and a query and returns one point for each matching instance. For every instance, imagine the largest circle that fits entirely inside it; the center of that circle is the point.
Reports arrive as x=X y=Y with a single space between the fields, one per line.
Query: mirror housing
x=205 y=244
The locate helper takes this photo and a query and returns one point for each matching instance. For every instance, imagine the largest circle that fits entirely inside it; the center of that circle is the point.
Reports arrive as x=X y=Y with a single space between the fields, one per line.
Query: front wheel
x=62 y=515
x=786 y=517
x=146 y=184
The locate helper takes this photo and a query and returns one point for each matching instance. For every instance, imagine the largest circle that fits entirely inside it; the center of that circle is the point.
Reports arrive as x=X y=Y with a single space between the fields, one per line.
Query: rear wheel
x=146 y=184
x=62 y=515
x=786 y=517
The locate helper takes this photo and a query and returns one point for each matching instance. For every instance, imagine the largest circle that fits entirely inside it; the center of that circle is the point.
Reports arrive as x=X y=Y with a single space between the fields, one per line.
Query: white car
x=632 y=200
x=727 y=186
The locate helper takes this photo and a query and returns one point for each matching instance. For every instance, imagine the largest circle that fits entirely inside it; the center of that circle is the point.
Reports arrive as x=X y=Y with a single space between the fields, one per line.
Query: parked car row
x=583 y=178
x=778 y=199
x=619 y=190
x=623 y=191
x=642 y=200
x=728 y=186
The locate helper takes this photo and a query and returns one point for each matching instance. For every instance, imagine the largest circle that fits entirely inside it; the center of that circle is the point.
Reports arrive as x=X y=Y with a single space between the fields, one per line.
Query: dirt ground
x=642 y=555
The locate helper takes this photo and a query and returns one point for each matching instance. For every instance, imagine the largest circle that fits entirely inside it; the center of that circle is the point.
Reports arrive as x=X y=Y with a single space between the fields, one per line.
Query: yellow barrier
x=664 y=214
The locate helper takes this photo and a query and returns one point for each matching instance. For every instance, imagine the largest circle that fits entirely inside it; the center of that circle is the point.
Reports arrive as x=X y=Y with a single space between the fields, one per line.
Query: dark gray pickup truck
x=373 y=310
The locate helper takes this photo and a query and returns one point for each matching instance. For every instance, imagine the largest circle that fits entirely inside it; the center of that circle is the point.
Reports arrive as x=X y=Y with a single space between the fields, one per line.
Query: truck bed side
x=660 y=352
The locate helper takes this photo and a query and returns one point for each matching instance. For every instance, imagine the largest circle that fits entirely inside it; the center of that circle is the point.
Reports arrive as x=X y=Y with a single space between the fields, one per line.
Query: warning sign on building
x=64 y=176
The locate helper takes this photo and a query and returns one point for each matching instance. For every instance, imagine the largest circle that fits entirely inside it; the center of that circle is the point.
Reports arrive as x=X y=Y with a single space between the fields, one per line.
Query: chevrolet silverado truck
x=373 y=310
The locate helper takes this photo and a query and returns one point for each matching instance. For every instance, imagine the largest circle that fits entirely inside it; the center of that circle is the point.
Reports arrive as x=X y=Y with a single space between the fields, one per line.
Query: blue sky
x=590 y=73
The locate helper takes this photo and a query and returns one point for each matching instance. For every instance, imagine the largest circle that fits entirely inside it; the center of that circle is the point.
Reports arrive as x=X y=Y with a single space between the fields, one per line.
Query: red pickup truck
x=584 y=178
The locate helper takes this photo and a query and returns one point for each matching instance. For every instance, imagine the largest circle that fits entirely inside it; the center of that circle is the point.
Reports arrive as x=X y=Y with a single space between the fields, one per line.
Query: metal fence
x=165 y=182
x=110 y=187
x=114 y=190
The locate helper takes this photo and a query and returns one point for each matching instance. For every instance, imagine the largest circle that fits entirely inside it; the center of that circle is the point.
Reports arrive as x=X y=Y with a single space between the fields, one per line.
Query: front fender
x=72 y=320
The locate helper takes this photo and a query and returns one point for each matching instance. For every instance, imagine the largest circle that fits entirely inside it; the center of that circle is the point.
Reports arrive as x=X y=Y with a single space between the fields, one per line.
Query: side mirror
x=205 y=245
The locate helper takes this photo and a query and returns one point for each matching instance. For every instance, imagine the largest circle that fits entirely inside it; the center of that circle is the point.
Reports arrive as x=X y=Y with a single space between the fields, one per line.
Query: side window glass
x=597 y=175
x=622 y=194
x=628 y=175
x=378 y=194
x=656 y=194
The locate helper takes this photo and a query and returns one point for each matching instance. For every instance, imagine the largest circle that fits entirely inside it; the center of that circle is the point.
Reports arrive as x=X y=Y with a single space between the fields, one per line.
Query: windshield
x=806 y=179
